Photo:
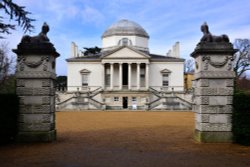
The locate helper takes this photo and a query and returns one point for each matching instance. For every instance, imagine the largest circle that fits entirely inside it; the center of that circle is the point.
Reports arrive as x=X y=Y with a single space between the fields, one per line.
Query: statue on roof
x=41 y=37
x=208 y=37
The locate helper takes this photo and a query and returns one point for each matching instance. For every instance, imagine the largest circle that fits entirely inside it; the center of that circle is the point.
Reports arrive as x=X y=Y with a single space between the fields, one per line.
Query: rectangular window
x=134 y=99
x=116 y=98
x=107 y=99
x=84 y=79
x=165 y=79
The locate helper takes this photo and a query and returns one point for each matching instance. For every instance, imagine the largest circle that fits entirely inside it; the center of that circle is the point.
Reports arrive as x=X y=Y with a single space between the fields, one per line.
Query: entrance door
x=125 y=74
x=125 y=102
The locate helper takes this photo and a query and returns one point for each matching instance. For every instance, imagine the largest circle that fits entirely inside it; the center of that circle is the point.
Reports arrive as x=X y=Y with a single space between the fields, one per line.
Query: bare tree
x=17 y=13
x=242 y=57
x=189 y=65
x=7 y=66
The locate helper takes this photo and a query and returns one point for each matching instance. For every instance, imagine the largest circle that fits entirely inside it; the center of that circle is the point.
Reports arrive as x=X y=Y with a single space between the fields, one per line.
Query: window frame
x=116 y=98
x=165 y=79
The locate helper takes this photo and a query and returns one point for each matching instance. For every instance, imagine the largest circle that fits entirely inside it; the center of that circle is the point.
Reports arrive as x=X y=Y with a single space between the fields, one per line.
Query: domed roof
x=125 y=27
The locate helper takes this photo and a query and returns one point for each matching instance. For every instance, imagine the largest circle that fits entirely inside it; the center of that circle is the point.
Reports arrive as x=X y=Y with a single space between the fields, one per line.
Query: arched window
x=125 y=42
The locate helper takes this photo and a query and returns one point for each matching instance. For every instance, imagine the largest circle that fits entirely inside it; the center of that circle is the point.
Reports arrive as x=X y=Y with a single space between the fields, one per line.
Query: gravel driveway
x=124 y=139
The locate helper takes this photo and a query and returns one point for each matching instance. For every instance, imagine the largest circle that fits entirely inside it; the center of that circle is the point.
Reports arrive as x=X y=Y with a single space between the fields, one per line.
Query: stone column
x=120 y=76
x=111 y=75
x=214 y=81
x=35 y=77
x=104 y=75
x=129 y=76
x=138 y=76
x=147 y=76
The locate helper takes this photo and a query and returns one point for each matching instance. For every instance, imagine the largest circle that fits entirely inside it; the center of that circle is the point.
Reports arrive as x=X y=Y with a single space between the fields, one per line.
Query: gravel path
x=124 y=139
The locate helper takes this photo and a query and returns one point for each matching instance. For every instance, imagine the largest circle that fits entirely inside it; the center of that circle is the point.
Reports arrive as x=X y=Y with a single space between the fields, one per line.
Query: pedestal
x=213 y=91
x=36 y=90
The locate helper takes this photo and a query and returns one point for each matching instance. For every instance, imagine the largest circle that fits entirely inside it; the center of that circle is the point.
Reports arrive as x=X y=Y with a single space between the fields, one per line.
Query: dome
x=125 y=27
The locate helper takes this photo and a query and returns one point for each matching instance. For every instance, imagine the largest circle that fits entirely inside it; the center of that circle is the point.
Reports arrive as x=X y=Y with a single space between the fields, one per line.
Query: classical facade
x=124 y=74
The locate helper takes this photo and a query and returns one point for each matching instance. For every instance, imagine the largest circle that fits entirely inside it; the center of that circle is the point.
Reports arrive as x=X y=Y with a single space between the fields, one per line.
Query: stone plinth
x=213 y=91
x=35 y=87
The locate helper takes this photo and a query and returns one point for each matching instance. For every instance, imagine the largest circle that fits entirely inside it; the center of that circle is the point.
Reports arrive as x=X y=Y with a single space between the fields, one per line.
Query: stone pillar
x=35 y=78
x=104 y=75
x=120 y=76
x=138 y=76
x=147 y=75
x=214 y=81
x=111 y=75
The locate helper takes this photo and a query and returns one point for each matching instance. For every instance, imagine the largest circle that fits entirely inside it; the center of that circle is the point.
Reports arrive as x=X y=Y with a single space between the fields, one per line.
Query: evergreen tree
x=91 y=51
x=17 y=13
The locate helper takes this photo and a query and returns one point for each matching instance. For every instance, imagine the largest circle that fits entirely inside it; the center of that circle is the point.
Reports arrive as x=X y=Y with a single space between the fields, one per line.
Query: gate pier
x=36 y=61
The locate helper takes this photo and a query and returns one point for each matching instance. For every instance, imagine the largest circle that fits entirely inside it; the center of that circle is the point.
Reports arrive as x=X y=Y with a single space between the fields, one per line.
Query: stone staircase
x=168 y=101
x=79 y=100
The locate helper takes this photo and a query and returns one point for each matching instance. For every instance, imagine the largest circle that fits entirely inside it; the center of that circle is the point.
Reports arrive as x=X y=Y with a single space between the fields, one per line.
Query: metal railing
x=95 y=103
x=159 y=89
x=167 y=89
x=83 y=89
x=154 y=103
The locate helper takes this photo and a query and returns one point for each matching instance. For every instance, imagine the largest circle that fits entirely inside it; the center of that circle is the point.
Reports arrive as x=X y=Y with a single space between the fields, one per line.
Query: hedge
x=8 y=117
x=241 y=118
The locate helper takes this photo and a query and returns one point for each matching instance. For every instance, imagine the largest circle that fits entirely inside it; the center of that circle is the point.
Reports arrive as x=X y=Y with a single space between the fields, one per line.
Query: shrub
x=8 y=117
x=241 y=118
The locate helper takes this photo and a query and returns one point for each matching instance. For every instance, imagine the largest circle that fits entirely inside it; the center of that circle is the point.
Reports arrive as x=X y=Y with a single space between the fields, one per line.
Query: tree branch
x=15 y=12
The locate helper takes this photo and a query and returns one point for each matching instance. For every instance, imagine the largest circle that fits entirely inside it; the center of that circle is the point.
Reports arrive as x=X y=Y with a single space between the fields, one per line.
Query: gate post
x=213 y=90
x=35 y=86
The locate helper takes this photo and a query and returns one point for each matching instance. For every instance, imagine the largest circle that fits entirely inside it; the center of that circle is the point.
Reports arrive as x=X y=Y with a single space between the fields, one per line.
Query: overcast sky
x=166 y=21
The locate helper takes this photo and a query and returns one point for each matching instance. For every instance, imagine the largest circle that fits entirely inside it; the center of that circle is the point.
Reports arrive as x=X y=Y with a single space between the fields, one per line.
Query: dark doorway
x=125 y=102
x=125 y=74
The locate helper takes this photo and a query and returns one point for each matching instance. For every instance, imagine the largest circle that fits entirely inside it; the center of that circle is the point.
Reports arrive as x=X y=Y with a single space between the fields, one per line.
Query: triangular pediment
x=126 y=52
x=165 y=71
x=84 y=71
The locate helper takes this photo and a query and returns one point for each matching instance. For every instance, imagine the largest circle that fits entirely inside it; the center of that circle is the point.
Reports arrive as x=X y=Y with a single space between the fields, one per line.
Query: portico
x=126 y=75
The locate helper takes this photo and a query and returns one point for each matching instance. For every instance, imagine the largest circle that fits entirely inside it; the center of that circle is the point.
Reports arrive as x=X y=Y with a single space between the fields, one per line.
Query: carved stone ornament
x=216 y=64
x=45 y=62
x=196 y=65
x=230 y=63
x=32 y=64
x=20 y=65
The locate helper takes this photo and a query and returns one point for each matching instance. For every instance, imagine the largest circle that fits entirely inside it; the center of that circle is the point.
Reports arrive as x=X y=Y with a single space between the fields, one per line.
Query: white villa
x=124 y=75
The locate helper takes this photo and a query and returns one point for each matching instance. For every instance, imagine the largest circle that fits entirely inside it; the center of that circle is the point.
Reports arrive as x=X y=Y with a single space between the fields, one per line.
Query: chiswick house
x=125 y=74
